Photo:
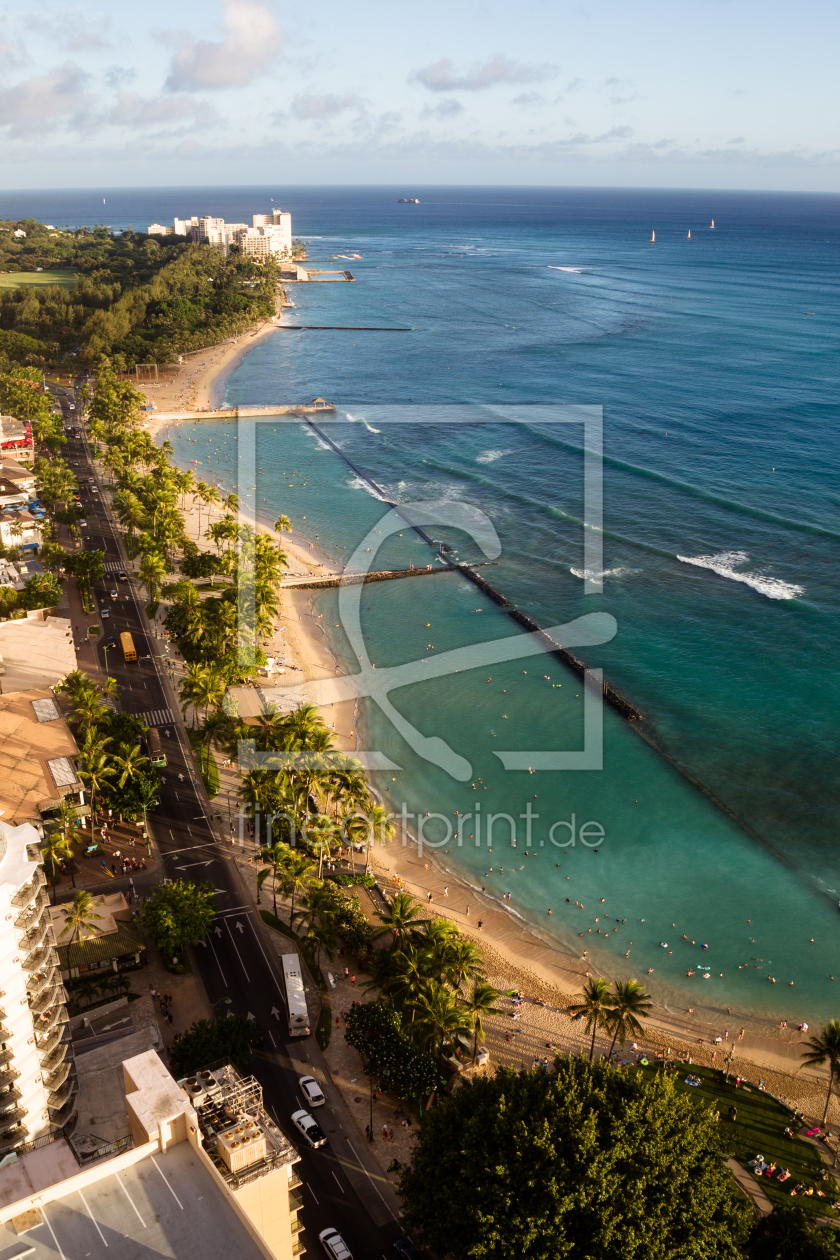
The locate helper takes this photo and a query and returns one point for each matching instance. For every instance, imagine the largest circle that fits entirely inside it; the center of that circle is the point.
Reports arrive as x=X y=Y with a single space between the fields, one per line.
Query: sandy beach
x=516 y=957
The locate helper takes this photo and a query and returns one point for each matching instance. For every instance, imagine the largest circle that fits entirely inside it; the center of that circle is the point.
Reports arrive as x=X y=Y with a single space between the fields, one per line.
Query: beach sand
x=516 y=957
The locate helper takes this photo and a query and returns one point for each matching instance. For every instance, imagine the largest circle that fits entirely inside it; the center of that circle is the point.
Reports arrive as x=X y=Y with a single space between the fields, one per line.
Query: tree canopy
x=178 y=914
x=582 y=1162
x=210 y=1040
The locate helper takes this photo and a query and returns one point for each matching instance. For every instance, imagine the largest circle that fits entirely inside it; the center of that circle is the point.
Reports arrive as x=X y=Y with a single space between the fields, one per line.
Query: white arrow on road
x=118 y=1024
x=250 y=1016
x=239 y=925
x=189 y=864
x=217 y=930
x=275 y=1012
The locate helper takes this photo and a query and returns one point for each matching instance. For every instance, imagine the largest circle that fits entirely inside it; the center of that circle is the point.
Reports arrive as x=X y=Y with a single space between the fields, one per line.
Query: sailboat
x=653 y=237
x=713 y=225
x=688 y=238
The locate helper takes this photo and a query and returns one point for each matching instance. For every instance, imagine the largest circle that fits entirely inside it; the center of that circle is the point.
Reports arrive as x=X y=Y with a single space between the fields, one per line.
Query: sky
x=643 y=93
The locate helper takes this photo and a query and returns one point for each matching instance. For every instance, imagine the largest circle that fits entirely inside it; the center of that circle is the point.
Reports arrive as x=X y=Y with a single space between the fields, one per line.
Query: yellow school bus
x=127 y=645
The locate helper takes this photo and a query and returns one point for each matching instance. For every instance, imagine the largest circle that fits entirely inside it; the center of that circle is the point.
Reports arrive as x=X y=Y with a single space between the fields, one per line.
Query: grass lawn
x=759 y=1130
x=13 y=279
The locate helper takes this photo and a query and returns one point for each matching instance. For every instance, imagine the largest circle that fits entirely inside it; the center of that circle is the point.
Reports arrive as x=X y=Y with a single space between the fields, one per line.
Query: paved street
x=342 y=1187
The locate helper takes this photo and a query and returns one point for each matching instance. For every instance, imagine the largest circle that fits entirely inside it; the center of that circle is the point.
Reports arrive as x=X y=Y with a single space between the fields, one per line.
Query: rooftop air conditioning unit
x=194 y=1090
x=242 y=1145
x=209 y=1083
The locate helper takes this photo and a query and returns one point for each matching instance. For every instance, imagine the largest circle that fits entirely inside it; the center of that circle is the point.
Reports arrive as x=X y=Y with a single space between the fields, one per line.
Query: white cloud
x=251 y=43
x=441 y=76
x=447 y=108
x=74 y=31
x=13 y=55
x=45 y=99
x=139 y=112
x=119 y=76
x=528 y=100
x=309 y=106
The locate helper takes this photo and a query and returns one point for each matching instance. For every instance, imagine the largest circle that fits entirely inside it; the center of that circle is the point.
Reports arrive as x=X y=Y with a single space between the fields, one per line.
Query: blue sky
x=712 y=93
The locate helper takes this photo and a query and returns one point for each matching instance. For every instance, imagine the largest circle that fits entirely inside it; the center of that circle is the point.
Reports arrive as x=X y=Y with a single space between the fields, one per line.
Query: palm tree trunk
x=592 y=1046
x=274 y=889
x=828 y=1095
x=612 y=1043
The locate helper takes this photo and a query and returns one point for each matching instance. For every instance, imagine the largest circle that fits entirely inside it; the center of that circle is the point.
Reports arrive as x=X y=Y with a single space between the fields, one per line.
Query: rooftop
x=26 y=745
x=109 y=907
x=165 y=1205
x=35 y=654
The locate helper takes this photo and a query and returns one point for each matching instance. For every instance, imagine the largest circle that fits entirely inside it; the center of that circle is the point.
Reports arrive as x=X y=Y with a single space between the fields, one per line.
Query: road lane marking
x=338 y=1183
x=370 y=1179
x=92 y=1217
x=171 y=1191
x=131 y=1201
x=238 y=955
x=216 y=956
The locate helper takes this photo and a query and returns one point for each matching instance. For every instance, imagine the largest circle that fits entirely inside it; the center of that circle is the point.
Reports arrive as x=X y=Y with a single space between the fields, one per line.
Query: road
x=234 y=964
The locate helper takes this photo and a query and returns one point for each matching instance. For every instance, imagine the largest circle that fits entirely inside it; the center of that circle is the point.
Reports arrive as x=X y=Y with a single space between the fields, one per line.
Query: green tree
x=376 y=1032
x=789 y=1234
x=630 y=1004
x=177 y=915
x=586 y=1162
x=80 y=917
x=479 y=1003
x=825 y=1048
x=56 y=850
x=401 y=917
x=597 y=1002
x=210 y=1040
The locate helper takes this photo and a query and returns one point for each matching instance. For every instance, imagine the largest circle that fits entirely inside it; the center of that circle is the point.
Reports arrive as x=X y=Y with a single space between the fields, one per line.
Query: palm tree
x=275 y=860
x=629 y=1004
x=299 y=873
x=80 y=916
x=96 y=770
x=130 y=761
x=440 y=1016
x=402 y=975
x=55 y=850
x=320 y=938
x=480 y=1003
x=597 y=1001
x=153 y=569
x=401 y=918
x=462 y=961
x=381 y=826
x=825 y=1046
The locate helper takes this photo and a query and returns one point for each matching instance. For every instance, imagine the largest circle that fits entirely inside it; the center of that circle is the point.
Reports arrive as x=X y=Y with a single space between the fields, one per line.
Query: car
x=310 y=1129
x=405 y=1247
x=114 y=594
x=312 y=1091
x=104 y=612
x=334 y=1245
x=111 y=642
x=72 y=406
x=121 y=575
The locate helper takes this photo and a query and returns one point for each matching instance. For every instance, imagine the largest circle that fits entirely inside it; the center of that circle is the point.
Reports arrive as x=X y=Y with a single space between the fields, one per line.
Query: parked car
x=334 y=1245
x=312 y=1091
x=405 y=1248
x=310 y=1129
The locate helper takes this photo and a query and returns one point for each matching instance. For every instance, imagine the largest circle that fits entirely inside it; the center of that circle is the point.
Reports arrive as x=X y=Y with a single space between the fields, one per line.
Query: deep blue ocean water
x=715 y=360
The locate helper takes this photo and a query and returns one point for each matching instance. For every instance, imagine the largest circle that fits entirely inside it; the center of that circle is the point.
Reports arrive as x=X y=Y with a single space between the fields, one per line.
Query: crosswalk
x=156 y=717
x=113 y=566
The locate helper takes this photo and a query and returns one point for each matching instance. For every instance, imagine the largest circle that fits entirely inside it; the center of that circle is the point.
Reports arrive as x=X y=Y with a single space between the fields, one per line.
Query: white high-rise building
x=271 y=234
x=37 y=1076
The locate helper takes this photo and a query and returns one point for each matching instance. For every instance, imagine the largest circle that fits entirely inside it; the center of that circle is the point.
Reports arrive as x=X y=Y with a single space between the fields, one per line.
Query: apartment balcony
x=14 y=1138
x=298 y=1248
x=65 y=1118
x=48 y=976
x=28 y=891
x=34 y=912
x=295 y=1202
x=59 y=1098
x=40 y=958
x=11 y=1096
x=47 y=1021
x=295 y=1181
x=53 y=995
x=297 y=1226
x=36 y=934
x=8 y=1074
x=10 y=1118
x=5 y=1033
x=53 y=1061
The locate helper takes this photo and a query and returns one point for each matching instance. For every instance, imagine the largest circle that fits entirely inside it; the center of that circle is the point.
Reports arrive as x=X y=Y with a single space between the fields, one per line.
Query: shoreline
x=512 y=947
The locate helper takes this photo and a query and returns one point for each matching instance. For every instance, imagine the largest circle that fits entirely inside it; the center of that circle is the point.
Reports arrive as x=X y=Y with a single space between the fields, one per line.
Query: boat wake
x=489 y=457
x=724 y=562
x=577 y=270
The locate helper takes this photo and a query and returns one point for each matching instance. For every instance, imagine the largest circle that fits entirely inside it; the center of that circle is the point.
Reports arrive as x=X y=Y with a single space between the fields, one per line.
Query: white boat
x=653 y=237
x=688 y=238
x=713 y=225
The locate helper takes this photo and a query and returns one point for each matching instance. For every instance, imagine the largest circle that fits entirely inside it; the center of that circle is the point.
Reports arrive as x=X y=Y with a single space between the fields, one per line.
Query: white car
x=114 y=594
x=312 y=1091
x=310 y=1129
x=104 y=612
x=334 y=1245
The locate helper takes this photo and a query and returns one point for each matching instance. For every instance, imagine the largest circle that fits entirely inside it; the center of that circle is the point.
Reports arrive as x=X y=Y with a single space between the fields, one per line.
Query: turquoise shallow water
x=720 y=535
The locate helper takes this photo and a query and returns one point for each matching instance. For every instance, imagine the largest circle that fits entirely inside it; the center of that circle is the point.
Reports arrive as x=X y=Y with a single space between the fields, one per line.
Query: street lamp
x=370 y=1126
x=227 y=1001
x=105 y=651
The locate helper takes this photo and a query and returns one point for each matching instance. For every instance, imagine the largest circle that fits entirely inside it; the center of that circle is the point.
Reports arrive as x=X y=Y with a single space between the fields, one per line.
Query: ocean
x=714 y=359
